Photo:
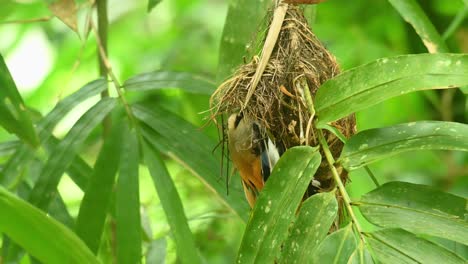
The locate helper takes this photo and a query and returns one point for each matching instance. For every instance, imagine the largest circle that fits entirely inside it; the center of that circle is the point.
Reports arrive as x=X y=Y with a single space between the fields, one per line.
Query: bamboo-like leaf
x=315 y=218
x=412 y=12
x=240 y=29
x=9 y=147
x=374 y=144
x=157 y=80
x=65 y=152
x=367 y=85
x=361 y=256
x=93 y=209
x=337 y=247
x=276 y=205
x=128 y=201
x=418 y=209
x=397 y=245
x=172 y=206
x=44 y=238
x=187 y=145
x=24 y=155
x=13 y=115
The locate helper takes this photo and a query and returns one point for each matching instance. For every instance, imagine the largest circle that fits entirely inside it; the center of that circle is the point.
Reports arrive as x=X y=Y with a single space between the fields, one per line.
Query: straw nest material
x=298 y=61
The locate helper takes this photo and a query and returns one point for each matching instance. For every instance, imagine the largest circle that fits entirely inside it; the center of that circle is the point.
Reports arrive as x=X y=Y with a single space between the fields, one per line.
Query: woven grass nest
x=298 y=61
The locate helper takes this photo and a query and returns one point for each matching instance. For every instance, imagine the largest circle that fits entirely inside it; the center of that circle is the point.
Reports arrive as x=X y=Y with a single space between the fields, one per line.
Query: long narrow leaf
x=361 y=256
x=157 y=80
x=277 y=204
x=65 y=152
x=44 y=237
x=412 y=12
x=24 y=155
x=128 y=201
x=401 y=243
x=337 y=247
x=189 y=146
x=13 y=114
x=367 y=85
x=312 y=225
x=418 y=209
x=93 y=209
x=172 y=206
x=374 y=144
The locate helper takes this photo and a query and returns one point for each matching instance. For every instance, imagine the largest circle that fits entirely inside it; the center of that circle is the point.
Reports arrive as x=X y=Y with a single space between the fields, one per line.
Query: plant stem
x=341 y=188
x=456 y=22
x=372 y=176
x=102 y=44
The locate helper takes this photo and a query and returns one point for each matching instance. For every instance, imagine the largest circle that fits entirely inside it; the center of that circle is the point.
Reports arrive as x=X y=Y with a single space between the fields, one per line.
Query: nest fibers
x=278 y=102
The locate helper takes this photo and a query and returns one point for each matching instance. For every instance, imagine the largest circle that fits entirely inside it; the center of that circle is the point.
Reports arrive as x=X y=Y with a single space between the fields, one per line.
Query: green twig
x=341 y=188
x=102 y=44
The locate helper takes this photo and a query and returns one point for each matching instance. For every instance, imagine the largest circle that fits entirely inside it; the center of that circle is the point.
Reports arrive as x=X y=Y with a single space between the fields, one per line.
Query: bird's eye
x=238 y=119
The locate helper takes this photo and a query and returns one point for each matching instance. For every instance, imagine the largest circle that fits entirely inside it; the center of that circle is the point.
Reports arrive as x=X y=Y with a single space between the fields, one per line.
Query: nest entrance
x=298 y=62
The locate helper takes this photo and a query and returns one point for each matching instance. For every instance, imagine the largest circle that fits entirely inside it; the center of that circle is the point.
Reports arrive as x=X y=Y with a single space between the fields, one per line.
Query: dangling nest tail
x=298 y=61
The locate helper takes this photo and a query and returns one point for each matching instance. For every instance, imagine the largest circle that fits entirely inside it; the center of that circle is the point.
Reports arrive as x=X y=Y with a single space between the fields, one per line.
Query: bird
x=252 y=152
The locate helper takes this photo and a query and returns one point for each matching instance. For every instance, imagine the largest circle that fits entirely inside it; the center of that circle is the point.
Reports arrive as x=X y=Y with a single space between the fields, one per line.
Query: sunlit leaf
x=41 y=236
x=417 y=208
x=66 y=11
x=191 y=148
x=172 y=205
x=315 y=218
x=337 y=247
x=399 y=246
x=158 y=80
x=374 y=144
x=412 y=12
x=277 y=204
x=240 y=29
x=93 y=208
x=13 y=114
x=60 y=159
x=367 y=85
x=128 y=201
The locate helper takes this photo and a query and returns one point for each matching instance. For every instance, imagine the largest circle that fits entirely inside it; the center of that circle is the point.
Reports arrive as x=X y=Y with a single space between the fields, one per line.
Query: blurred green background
x=49 y=61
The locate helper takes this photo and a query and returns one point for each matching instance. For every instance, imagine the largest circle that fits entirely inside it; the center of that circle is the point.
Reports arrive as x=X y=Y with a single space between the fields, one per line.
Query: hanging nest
x=298 y=61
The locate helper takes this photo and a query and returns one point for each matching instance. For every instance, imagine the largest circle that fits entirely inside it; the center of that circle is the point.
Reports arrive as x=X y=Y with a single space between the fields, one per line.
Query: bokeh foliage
x=169 y=56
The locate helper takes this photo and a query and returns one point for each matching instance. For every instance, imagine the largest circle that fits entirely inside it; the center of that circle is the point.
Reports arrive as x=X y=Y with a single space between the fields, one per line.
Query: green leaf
x=242 y=24
x=128 y=201
x=191 y=148
x=157 y=80
x=13 y=114
x=44 y=238
x=412 y=12
x=418 y=209
x=397 y=246
x=65 y=152
x=152 y=4
x=374 y=144
x=172 y=205
x=93 y=209
x=315 y=218
x=24 y=155
x=277 y=204
x=367 y=85
x=361 y=256
x=337 y=247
